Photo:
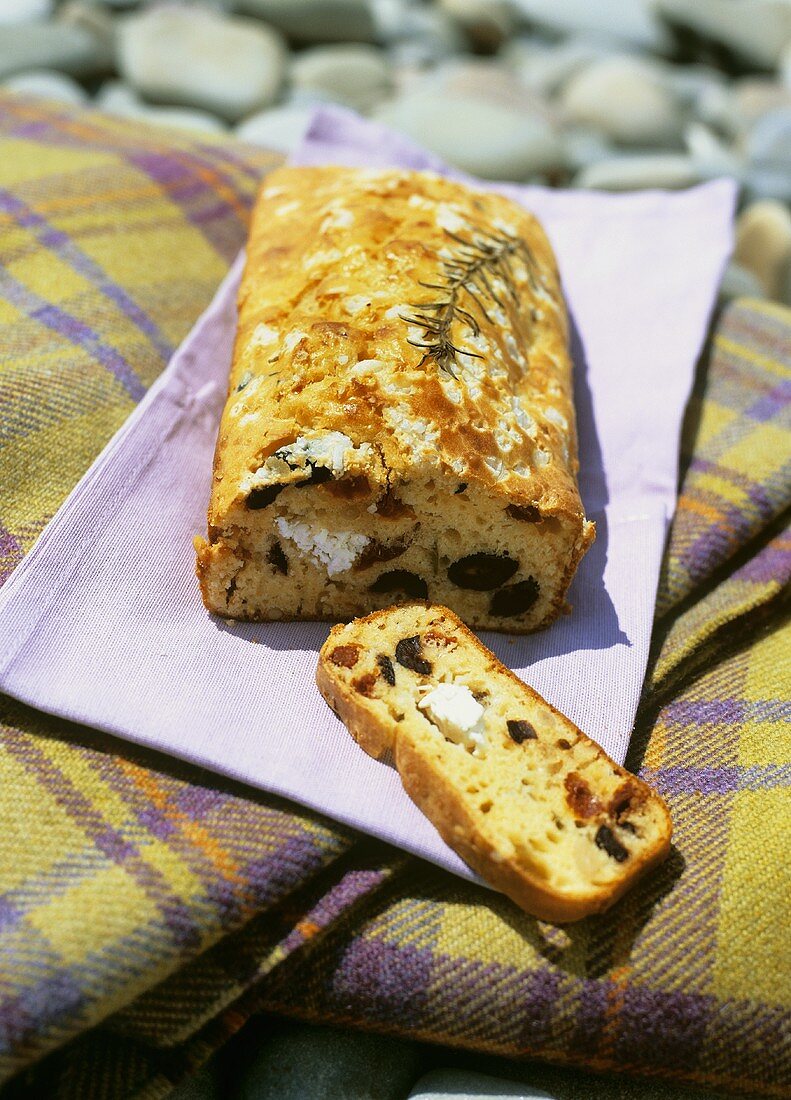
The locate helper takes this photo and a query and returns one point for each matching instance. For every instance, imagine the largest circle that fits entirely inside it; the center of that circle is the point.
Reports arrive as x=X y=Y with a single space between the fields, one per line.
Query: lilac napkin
x=102 y=623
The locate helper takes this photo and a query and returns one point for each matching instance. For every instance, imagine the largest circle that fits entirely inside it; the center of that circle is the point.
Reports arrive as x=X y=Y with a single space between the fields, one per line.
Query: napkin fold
x=102 y=622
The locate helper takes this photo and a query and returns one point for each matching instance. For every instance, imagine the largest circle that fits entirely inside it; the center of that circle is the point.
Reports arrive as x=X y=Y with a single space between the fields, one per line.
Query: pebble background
x=609 y=94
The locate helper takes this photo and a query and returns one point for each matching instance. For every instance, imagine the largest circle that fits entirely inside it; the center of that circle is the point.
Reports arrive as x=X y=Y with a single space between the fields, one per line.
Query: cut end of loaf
x=324 y=529
x=530 y=802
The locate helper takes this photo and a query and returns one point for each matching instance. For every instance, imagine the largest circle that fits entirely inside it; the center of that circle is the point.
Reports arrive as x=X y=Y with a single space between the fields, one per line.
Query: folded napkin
x=102 y=622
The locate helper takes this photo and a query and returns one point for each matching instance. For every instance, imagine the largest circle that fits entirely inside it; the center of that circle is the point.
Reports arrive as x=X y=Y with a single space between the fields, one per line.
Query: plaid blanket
x=148 y=909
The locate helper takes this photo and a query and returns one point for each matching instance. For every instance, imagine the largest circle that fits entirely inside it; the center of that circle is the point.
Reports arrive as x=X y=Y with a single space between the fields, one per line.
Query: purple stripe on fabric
x=234 y=888
x=704 y=712
x=761 y=777
x=79 y=333
x=381 y=981
x=9 y=914
x=175 y=913
x=590 y=1017
x=71 y=329
x=752 y=489
x=771 y=565
x=717 y=780
x=660 y=1028
x=681 y=780
x=771 y=404
x=28 y=1015
x=197 y=802
x=197 y=198
x=353 y=886
x=537 y=1008
x=342 y=896
x=60 y=243
x=11 y=550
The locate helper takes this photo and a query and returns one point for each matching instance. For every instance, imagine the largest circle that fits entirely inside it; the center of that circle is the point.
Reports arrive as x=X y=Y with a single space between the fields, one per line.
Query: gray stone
x=754 y=97
x=316 y=21
x=690 y=82
x=738 y=282
x=640 y=172
x=488 y=81
x=280 y=128
x=712 y=157
x=23 y=11
x=486 y=138
x=117 y=98
x=457 y=1084
x=96 y=20
x=194 y=57
x=487 y=23
x=300 y=1062
x=584 y=147
x=755 y=30
x=716 y=106
x=632 y=21
x=50 y=45
x=626 y=100
x=47 y=85
x=420 y=37
x=767 y=147
x=546 y=67
x=357 y=76
x=763 y=245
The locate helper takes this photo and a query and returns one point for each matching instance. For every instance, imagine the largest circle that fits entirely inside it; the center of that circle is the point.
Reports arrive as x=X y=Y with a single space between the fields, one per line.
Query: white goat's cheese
x=337 y=550
x=457 y=714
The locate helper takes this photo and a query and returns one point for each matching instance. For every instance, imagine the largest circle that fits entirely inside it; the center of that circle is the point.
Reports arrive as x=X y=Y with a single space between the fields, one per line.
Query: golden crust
x=432 y=780
x=323 y=292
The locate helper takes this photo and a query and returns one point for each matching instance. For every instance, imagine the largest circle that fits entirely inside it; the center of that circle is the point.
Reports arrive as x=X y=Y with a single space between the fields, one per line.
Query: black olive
x=515 y=599
x=606 y=840
x=277 y=558
x=263 y=496
x=528 y=513
x=401 y=580
x=318 y=474
x=409 y=653
x=482 y=572
x=386 y=668
x=519 y=730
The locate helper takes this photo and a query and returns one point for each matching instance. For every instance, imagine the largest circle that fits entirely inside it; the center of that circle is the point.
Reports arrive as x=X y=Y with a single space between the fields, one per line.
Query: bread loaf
x=530 y=802
x=400 y=421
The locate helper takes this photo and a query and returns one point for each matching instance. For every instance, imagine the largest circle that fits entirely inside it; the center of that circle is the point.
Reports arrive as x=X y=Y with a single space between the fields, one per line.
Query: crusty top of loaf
x=343 y=266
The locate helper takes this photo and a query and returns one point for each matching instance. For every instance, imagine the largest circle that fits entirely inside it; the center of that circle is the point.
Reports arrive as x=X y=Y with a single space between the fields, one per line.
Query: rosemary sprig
x=471 y=269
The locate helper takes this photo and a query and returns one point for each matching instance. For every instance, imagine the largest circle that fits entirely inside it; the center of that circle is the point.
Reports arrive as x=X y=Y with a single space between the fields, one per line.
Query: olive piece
x=515 y=599
x=263 y=496
x=520 y=730
x=409 y=653
x=482 y=572
x=528 y=513
x=318 y=474
x=401 y=580
x=606 y=840
x=277 y=558
x=386 y=668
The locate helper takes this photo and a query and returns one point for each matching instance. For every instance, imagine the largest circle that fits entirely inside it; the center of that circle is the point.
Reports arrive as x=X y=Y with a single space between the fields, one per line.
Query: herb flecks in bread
x=530 y=802
x=400 y=421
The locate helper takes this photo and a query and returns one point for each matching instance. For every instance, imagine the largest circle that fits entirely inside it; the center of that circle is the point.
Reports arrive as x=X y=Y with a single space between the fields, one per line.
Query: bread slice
x=526 y=799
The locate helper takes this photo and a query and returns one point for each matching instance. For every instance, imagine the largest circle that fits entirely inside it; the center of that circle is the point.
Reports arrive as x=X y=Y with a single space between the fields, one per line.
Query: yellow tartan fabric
x=148 y=909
